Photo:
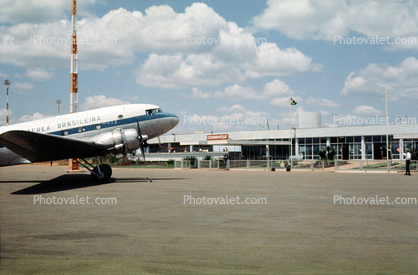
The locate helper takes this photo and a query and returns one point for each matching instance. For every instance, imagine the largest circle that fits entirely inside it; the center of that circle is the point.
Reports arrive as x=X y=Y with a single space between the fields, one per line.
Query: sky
x=220 y=66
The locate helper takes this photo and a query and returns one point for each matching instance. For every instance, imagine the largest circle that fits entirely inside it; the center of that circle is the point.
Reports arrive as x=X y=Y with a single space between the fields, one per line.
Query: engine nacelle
x=120 y=140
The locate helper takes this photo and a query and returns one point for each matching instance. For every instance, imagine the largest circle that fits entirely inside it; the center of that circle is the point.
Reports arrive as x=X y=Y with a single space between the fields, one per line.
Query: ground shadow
x=61 y=183
x=75 y=181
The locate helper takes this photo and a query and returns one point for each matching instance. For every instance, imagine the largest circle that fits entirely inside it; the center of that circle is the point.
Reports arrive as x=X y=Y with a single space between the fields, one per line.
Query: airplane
x=118 y=130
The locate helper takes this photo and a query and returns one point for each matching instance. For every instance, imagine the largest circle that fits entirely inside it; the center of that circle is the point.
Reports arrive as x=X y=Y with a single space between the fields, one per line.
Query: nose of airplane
x=174 y=120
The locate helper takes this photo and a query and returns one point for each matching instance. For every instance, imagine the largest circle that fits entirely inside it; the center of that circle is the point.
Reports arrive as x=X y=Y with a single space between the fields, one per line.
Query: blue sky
x=219 y=65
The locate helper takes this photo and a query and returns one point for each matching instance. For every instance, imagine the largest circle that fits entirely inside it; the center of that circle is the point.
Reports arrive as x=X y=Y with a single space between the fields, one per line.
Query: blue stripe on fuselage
x=114 y=123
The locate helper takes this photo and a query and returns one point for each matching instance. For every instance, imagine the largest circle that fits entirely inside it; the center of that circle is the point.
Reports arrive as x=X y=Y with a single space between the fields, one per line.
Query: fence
x=312 y=165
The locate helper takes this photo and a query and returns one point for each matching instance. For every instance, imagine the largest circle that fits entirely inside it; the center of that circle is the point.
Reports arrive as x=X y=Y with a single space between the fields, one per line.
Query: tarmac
x=165 y=221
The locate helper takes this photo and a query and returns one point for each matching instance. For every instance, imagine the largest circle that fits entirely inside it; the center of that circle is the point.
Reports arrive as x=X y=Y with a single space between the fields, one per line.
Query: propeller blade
x=141 y=140
x=142 y=150
x=159 y=143
x=139 y=129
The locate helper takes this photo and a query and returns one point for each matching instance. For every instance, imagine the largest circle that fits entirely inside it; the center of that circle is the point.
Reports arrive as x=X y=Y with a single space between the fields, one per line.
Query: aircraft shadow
x=75 y=181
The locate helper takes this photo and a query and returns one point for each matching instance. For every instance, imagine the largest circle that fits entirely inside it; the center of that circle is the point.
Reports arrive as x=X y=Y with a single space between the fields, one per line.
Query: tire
x=104 y=176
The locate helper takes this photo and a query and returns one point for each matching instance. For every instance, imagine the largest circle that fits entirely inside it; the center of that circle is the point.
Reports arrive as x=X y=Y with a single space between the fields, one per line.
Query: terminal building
x=365 y=142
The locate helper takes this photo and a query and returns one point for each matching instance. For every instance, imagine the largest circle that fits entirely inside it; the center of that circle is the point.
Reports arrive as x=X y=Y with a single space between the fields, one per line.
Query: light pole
x=7 y=83
x=387 y=134
x=58 y=102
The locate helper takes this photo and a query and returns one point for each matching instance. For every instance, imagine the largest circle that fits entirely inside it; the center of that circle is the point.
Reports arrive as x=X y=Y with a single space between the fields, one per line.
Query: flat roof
x=397 y=130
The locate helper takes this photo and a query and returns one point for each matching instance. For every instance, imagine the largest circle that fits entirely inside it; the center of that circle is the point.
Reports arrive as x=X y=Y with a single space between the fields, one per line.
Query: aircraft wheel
x=103 y=176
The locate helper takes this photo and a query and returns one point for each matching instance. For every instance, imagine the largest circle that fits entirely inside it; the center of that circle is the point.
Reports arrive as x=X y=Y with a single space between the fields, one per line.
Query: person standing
x=408 y=162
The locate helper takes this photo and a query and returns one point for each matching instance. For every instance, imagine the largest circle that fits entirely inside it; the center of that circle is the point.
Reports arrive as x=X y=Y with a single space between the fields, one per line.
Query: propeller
x=142 y=144
x=159 y=143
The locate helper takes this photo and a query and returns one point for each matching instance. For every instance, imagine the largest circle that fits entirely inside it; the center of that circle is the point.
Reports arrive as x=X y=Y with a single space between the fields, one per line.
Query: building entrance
x=379 y=151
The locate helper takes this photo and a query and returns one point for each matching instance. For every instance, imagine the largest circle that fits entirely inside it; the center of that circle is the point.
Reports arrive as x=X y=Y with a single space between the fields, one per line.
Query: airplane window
x=151 y=112
x=81 y=129
x=120 y=116
x=64 y=133
x=97 y=127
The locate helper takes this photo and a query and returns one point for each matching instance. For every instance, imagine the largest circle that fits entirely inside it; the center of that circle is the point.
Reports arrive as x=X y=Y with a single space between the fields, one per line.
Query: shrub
x=192 y=159
x=207 y=157
x=414 y=155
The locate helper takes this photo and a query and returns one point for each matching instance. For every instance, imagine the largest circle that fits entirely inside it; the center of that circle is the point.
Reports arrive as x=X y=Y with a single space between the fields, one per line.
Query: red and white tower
x=74 y=65
x=73 y=164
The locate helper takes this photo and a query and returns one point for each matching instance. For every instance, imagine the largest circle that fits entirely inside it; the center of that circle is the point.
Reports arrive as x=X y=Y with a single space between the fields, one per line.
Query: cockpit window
x=151 y=112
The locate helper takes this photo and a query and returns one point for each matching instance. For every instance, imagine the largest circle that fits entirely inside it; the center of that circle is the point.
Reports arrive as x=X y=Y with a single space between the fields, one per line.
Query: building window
x=369 y=150
x=355 y=151
x=377 y=138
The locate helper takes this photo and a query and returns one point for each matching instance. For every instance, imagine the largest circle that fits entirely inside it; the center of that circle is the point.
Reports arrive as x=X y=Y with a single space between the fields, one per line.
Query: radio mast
x=74 y=65
x=73 y=164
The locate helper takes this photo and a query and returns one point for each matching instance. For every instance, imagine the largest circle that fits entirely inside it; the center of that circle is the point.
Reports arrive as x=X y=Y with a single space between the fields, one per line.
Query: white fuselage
x=88 y=124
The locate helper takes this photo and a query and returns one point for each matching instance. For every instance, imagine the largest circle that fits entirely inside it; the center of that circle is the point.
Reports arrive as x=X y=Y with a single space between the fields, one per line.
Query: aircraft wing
x=43 y=147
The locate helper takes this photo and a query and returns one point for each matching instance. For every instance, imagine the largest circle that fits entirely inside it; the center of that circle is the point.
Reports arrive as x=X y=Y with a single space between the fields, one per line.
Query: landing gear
x=101 y=173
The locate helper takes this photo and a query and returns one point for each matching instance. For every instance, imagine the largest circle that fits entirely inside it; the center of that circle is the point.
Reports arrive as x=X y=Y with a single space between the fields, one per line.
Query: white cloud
x=38 y=74
x=97 y=101
x=317 y=19
x=178 y=71
x=277 y=88
x=365 y=110
x=111 y=40
x=35 y=116
x=197 y=48
x=234 y=108
x=275 y=91
x=322 y=102
x=402 y=81
x=272 y=61
x=212 y=69
x=361 y=115
x=199 y=94
x=21 y=87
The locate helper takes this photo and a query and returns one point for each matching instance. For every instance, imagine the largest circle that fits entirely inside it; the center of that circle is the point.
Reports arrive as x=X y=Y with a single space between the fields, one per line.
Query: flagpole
x=291 y=135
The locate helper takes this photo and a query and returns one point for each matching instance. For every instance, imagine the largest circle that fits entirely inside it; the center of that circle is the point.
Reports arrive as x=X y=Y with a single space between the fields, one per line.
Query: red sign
x=217 y=137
